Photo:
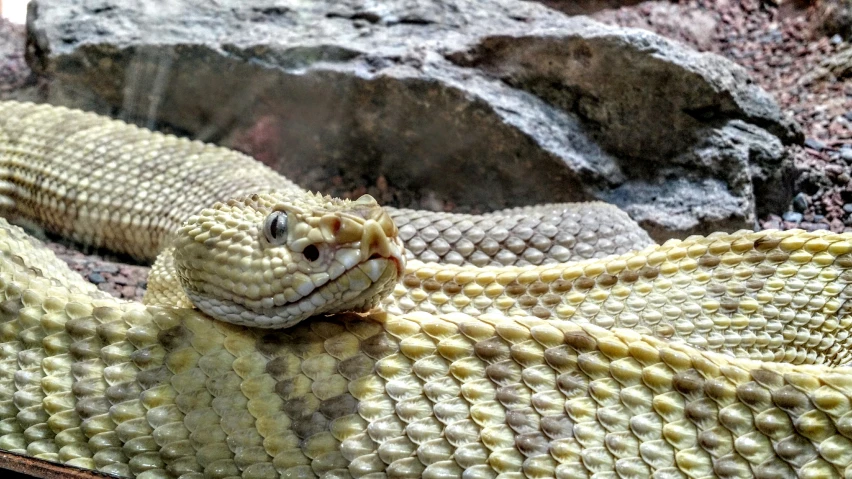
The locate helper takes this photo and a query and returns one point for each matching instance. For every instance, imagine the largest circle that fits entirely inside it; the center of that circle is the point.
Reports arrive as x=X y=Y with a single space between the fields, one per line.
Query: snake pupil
x=275 y=227
x=311 y=253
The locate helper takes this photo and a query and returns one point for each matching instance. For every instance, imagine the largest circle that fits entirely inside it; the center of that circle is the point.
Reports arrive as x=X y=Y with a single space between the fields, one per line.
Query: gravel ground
x=777 y=43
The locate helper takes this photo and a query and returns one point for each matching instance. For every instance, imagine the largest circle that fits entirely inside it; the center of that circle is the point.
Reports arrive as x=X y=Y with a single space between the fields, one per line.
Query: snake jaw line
x=355 y=291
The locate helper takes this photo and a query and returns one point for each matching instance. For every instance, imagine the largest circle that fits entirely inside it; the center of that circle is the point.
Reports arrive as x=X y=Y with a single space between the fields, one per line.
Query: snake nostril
x=311 y=253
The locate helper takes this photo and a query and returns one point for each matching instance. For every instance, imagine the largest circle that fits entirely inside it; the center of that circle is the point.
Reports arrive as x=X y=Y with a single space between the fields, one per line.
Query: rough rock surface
x=786 y=50
x=512 y=102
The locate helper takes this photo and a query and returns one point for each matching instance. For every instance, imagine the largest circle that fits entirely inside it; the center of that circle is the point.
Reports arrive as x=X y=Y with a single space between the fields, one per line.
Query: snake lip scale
x=383 y=273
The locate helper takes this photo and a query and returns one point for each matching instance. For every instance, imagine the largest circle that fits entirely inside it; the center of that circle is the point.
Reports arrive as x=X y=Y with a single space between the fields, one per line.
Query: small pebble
x=836 y=39
x=818 y=218
x=127 y=292
x=105 y=268
x=96 y=278
x=846 y=155
x=773 y=222
x=800 y=202
x=848 y=116
x=813 y=226
x=792 y=217
x=814 y=144
x=847 y=207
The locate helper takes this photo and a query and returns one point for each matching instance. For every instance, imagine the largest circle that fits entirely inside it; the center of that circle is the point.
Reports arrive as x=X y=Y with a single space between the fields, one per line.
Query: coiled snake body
x=709 y=357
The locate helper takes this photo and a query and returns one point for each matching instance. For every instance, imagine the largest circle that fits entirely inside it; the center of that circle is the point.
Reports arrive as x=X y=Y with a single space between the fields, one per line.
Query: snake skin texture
x=709 y=357
x=542 y=234
x=780 y=296
x=60 y=168
x=91 y=381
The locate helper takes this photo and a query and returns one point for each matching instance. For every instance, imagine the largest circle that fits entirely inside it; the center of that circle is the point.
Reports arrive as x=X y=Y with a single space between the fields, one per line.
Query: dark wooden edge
x=45 y=469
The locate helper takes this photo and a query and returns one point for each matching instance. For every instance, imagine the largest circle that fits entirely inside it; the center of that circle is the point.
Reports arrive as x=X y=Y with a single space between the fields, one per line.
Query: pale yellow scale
x=641 y=364
x=775 y=296
x=160 y=392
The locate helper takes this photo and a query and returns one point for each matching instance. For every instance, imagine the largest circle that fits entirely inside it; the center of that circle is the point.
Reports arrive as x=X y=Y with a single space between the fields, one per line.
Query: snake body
x=708 y=357
x=105 y=183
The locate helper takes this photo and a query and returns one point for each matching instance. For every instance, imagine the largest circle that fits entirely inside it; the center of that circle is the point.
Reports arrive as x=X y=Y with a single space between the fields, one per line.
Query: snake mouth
x=359 y=288
x=397 y=260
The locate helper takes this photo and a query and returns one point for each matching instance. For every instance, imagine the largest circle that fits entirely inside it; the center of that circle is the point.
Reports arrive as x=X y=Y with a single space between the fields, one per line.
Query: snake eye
x=275 y=228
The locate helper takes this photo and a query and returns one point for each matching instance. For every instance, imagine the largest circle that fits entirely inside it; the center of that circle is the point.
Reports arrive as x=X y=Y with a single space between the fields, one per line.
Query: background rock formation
x=485 y=104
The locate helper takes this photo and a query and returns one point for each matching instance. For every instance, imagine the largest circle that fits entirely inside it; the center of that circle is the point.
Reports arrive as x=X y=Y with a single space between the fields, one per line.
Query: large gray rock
x=486 y=103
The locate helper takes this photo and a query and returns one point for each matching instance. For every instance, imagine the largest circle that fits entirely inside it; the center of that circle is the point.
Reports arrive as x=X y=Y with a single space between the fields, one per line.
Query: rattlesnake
x=711 y=356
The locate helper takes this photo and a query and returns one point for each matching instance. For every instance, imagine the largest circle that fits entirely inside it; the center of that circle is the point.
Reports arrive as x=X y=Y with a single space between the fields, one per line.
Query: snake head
x=272 y=260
